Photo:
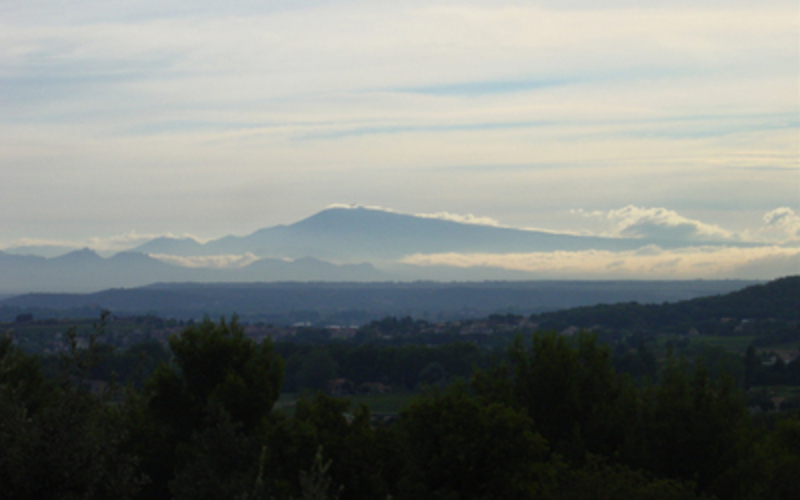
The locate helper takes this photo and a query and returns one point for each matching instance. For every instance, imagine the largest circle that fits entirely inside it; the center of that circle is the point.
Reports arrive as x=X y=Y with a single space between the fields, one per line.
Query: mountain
x=284 y=302
x=362 y=234
x=171 y=246
x=84 y=270
x=80 y=270
x=305 y=269
x=337 y=244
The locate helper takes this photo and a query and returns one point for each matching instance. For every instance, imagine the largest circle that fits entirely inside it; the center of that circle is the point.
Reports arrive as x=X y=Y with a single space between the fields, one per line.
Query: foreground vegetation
x=551 y=418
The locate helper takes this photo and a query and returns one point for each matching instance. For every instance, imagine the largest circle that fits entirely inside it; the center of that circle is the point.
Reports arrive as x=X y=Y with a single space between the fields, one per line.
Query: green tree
x=21 y=379
x=215 y=370
x=215 y=362
x=433 y=374
x=770 y=471
x=347 y=440
x=599 y=480
x=315 y=484
x=458 y=447
x=751 y=363
x=58 y=440
x=694 y=428
x=219 y=461
x=570 y=390
x=317 y=369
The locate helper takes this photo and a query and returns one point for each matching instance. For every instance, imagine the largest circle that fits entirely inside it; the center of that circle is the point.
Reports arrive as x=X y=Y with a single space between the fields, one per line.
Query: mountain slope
x=359 y=234
x=171 y=246
x=778 y=300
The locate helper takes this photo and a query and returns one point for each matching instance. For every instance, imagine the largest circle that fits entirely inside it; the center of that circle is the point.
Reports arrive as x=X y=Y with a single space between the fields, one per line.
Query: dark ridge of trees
x=551 y=418
x=775 y=301
x=402 y=367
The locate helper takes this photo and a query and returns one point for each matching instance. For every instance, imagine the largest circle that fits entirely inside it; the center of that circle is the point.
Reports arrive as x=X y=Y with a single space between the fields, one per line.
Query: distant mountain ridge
x=362 y=234
x=43 y=250
x=336 y=244
x=85 y=271
x=171 y=246
x=366 y=301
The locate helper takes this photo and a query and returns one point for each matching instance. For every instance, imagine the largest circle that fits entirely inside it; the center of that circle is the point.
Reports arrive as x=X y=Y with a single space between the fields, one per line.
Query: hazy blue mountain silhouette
x=84 y=270
x=171 y=246
x=359 y=234
x=41 y=250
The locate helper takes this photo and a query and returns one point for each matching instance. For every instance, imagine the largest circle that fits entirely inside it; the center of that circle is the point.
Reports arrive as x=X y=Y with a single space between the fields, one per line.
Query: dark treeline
x=348 y=303
x=408 y=363
x=405 y=355
x=404 y=368
x=550 y=418
x=764 y=310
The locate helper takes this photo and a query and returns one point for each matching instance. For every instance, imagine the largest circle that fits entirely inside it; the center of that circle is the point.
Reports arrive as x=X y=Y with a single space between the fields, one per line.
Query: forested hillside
x=775 y=302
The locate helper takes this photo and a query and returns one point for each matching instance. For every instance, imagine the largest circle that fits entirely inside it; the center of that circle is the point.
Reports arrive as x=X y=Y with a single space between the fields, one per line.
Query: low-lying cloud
x=208 y=261
x=782 y=222
x=781 y=225
x=650 y=262
x=659 y=223
x=663 y=223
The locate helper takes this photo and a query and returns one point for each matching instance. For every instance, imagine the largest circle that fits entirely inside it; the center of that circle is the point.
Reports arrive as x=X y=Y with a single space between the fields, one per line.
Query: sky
x=122 y=120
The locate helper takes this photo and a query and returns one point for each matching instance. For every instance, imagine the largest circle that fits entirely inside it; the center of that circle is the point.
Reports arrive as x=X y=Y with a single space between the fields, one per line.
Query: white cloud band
x=646 y=263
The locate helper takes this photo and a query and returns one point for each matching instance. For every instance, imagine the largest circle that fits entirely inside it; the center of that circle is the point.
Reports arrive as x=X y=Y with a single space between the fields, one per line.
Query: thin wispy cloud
x=483 y=88
x=463 y=219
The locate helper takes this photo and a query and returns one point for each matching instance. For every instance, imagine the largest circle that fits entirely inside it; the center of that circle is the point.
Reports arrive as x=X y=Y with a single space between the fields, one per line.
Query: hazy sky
x=211 y=118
